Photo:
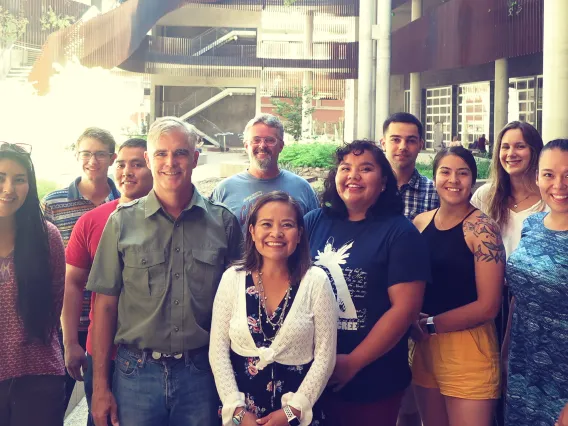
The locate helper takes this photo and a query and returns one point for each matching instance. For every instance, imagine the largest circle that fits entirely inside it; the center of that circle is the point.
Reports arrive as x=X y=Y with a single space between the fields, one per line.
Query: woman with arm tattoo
x=456 y=362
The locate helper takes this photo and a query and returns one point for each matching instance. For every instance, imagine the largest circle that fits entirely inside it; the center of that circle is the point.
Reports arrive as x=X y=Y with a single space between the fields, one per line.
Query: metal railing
x=204 y=43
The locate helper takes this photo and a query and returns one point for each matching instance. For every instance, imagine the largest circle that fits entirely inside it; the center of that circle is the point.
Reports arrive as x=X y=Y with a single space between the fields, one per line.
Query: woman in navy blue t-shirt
x=378 y=266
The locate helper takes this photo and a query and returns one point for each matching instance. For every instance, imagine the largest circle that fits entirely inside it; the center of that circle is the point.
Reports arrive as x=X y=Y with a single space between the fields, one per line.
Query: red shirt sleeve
x=77 y=251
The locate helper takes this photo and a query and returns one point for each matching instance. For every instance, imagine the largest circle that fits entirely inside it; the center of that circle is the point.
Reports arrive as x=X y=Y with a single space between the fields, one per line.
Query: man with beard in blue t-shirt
x=264 y=140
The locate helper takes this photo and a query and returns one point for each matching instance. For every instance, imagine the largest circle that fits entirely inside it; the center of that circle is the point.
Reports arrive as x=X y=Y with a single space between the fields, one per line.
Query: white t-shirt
x=511 y=232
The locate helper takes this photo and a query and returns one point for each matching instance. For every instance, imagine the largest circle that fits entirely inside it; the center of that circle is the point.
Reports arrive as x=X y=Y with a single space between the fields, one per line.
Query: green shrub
x=308 y=155
x=44 y=187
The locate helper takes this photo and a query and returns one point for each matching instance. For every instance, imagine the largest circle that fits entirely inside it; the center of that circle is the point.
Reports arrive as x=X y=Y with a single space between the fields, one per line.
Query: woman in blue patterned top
x=538 y=275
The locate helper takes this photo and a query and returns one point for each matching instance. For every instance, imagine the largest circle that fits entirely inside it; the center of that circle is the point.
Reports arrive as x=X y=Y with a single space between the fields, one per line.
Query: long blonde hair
x=500 y=190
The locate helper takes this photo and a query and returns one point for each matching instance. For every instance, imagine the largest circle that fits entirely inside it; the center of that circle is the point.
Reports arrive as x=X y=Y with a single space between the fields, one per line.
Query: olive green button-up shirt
x=165 y=271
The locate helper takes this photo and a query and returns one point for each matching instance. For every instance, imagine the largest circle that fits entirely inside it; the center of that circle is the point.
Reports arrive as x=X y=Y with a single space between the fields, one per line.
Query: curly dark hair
x=389 y=201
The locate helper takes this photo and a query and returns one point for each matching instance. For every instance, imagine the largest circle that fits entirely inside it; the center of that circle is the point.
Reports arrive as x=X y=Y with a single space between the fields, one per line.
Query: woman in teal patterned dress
x=537 y=272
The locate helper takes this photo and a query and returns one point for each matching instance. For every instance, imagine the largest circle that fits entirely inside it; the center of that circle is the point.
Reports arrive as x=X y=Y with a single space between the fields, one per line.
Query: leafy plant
x=483 y=168
x=51 y=21
x=308 y=155
x=44 y=187
x=291 y=111
x=514 y=7
x=11 y=27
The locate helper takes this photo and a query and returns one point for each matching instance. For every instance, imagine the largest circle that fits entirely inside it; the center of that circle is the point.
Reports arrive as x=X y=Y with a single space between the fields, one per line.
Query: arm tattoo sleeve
x=490 y=248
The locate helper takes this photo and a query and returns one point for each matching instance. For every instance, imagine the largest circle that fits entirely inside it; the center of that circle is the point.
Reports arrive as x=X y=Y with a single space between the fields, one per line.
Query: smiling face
x=96 y=167
x=552 y=179
x=263 y=146
x=14 y=187
x=359 y=181
x=402 y=144
x=276 y=234
x=453 y=180
x=172 y=160
x=132 y=174
x=514 y=153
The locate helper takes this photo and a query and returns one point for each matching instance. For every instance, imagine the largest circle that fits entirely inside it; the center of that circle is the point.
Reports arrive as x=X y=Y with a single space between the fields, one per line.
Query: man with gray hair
x=264 y=140
x=159 y=262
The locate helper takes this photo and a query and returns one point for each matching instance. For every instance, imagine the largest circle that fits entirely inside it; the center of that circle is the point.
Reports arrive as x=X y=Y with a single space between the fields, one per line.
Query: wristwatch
x=430 y=326
x=238 y=418
x=290 y=416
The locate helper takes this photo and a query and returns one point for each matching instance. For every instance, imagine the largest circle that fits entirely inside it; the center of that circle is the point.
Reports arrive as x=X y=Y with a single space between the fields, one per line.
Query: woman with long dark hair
x=273 y=335
x=537 y=274
x=456 y=360
x=32 y=272
x=377 y=260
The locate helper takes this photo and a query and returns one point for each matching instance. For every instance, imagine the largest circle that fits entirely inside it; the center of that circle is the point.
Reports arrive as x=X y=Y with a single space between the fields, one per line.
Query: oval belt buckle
x=156 y=355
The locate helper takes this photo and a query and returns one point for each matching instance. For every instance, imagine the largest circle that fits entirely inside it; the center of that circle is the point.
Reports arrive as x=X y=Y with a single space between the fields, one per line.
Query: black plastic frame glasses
x=19 y=148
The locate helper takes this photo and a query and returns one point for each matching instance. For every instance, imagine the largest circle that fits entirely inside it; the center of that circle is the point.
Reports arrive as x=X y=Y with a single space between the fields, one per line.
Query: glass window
x=439 y=115
x=473 y=119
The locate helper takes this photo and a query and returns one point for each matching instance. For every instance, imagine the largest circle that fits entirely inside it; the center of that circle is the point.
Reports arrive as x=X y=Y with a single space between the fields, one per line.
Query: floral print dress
x=264 y=388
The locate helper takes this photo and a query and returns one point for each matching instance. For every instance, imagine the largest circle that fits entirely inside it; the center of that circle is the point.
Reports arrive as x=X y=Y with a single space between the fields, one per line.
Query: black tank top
x=453 y=269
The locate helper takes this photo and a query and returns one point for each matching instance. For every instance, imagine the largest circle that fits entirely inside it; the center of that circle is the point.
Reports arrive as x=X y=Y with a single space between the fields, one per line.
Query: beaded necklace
x=276 y=326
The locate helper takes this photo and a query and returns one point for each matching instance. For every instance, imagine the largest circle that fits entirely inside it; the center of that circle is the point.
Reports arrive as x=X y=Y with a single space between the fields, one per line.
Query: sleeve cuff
x=236 y=399
x=301 y=403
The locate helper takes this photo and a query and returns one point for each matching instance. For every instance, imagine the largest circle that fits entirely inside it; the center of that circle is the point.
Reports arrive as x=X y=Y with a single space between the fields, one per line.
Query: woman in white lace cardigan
x=274 y=329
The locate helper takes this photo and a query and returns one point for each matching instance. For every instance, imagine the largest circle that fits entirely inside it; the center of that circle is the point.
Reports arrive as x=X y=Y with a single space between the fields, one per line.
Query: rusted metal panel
x=462 y=33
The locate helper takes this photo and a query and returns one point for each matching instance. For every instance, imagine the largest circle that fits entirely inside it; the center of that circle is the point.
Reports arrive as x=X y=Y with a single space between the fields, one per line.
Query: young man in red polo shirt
x=134 y=180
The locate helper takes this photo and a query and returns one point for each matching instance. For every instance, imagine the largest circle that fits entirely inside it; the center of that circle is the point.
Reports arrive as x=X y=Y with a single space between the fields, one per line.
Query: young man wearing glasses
x=95 y=152
x=264 y=140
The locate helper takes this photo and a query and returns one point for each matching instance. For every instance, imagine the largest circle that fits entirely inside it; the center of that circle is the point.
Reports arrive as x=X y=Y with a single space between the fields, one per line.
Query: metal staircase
x=217 y=37
x=216 y=98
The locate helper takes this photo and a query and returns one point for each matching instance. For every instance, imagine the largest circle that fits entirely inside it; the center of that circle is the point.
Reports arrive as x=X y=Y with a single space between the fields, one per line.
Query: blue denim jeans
x=167 y=392
x=88 y=377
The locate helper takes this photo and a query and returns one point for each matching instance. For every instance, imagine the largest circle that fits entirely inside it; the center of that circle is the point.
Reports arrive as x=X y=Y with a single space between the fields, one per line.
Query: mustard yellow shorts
x=462 y=364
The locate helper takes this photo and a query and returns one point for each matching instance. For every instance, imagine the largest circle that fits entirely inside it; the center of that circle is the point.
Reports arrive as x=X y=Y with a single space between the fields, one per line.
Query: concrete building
x=465 y=67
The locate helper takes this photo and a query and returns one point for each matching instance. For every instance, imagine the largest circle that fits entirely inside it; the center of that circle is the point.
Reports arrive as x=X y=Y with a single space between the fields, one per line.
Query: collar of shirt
x=74 y=194
x=153 y=204
x=414 y=181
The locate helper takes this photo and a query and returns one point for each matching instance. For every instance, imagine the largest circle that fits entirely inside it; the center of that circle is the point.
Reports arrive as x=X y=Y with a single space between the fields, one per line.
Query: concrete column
x=349 y=125
x=416 y=10
x=396 y=95
x=382 y=33
x=501 y=102
x=555 y=79
x=258 y=100
x=153 y=100
x=365 y=97
x=308 y=83
x=415 y=80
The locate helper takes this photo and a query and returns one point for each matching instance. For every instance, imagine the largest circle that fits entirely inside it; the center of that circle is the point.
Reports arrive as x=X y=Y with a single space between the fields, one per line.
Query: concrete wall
x=232 y=113
x=211 y=17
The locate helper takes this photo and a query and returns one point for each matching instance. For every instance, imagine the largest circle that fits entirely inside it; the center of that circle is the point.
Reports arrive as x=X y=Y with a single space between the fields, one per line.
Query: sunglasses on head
x=19 y=148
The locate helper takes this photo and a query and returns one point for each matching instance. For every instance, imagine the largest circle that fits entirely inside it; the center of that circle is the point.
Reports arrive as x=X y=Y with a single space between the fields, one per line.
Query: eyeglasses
x=270 y=141
x=20 y=148
x=99 y=155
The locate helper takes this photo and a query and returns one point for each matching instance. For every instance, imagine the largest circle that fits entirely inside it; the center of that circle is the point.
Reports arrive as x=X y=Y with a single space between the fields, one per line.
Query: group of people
x=383 y=302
